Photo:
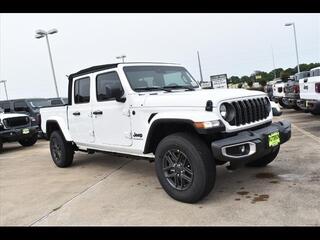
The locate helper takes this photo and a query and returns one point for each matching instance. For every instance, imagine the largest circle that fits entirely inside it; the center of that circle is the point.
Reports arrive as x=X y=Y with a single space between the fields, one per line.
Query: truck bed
x=53 y=113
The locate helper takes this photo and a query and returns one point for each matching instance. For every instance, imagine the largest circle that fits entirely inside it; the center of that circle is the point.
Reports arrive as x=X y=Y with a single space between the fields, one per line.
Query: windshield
x=153 y=78
x=38 y=103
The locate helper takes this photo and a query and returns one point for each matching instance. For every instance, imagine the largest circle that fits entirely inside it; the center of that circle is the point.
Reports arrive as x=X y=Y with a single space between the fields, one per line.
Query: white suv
x=159 y=112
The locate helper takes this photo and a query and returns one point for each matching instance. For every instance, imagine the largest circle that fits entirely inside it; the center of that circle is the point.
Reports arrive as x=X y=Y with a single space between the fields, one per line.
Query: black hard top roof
x=105 y=67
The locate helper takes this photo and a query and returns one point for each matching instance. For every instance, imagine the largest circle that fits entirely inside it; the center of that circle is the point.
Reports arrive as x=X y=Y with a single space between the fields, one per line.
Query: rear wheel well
x=51 y=127
x=163 y=128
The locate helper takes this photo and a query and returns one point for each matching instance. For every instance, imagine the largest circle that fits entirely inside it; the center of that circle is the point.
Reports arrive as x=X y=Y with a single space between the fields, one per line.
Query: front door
x=79 y=113
x=111 y=120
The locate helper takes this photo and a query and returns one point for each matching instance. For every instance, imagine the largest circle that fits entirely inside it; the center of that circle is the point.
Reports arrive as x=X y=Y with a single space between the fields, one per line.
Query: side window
x=108 y=85
x=82 y=90
x=20 y=107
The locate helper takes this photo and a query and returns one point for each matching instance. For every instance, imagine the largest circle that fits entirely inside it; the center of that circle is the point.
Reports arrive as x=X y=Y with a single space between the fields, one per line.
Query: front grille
x=16 y=122
x=250 y=110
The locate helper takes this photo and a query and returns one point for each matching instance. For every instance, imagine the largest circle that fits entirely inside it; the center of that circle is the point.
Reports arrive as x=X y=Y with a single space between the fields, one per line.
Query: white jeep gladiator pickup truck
x=159 y=112
x=310 y=92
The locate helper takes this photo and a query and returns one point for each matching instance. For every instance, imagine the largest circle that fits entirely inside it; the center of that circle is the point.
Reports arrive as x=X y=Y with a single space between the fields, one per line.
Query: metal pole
x=274 y=66
x=295 y=40
x=201 y=78
x=54 y=75
x=5 y=89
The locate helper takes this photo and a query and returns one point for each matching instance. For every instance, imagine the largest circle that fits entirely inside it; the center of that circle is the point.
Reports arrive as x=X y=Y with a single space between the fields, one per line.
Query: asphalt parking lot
x=101 y=189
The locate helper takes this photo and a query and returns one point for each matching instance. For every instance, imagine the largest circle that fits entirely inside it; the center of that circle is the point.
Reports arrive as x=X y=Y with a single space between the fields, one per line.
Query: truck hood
x=197 y=98
x=11 y=115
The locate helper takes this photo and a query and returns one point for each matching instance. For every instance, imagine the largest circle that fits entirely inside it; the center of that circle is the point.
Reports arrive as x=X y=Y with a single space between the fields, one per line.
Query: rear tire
x=61 y=151
x=29 y=141
x=264 y=161
x=185 y=167
x=282 y=104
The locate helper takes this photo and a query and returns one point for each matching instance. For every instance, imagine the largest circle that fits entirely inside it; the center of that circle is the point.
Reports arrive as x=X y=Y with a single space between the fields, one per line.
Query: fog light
x=239 y=150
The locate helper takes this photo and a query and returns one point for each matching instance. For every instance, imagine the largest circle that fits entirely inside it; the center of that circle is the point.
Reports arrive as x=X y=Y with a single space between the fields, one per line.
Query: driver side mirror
x=115 y=92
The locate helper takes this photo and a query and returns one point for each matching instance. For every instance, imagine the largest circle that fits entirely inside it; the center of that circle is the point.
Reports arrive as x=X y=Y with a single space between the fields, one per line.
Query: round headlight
x=223 y=110
x=227 y=111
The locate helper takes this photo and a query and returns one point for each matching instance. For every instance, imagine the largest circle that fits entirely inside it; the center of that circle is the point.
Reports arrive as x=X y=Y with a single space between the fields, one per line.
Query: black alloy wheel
x=177 y=169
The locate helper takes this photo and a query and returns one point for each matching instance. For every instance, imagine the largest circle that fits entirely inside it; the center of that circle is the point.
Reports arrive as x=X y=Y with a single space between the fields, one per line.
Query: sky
x=235 y=44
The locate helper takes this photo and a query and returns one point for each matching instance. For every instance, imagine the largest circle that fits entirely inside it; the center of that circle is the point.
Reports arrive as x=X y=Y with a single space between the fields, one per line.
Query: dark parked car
x=29 y=106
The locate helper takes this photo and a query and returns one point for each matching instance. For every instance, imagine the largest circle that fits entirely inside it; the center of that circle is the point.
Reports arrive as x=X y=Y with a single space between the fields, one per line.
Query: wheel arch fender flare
x=58 y=124
x=156 y=122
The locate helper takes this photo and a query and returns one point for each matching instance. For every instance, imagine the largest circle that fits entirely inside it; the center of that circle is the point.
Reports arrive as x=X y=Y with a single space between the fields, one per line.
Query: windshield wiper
x=180 y=87
x=152 y=88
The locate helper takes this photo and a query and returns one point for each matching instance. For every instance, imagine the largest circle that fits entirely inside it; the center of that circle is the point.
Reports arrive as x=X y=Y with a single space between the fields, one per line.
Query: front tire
x=264 y=161
x=185 y=167
x=61 y=151
x=29 y=141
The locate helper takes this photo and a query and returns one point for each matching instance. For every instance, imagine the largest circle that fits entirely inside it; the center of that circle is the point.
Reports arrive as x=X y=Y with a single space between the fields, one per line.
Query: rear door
x=79 y=113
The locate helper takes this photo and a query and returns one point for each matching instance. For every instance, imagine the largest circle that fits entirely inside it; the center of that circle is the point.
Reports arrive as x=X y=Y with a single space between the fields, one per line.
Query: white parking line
x=306 y=133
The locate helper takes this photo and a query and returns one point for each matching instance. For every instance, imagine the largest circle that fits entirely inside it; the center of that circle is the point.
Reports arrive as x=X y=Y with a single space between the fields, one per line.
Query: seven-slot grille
x=250 y=110
x=16 y=122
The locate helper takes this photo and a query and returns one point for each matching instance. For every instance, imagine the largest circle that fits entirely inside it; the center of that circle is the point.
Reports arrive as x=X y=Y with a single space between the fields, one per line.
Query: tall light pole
x=295 y=40
x=5 y=87
x=121 y=57
x=40 y=34
x=201 y=78
x=274 y=66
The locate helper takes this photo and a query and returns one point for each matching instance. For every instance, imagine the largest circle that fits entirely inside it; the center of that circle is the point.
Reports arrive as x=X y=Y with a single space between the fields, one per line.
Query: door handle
x=98 y=112
x=76 y=113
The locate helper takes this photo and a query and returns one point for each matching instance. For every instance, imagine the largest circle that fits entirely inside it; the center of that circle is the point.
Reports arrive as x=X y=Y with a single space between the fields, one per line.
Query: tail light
x=317 y=87
x=296 y=88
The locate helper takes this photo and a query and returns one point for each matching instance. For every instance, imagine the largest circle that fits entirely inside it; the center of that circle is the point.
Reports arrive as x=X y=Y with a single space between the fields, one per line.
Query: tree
x=245 y=79
x=234 y=79
x=263 y=83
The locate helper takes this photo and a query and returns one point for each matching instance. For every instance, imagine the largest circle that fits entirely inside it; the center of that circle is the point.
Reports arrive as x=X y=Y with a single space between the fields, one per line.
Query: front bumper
x=257 y=140
x=13 y=135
